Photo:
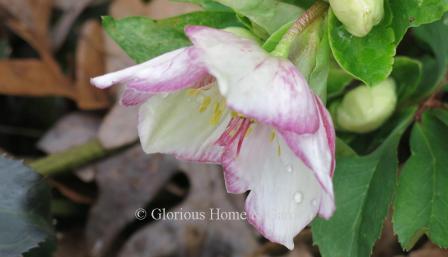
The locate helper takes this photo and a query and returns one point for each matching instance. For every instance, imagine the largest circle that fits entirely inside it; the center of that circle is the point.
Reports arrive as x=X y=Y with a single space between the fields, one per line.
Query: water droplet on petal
x=298 y=197
x=289 y=168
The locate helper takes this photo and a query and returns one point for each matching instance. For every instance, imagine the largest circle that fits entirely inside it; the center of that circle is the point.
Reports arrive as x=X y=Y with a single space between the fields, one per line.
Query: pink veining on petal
x=263 y=87
x=316 y=150
x=206 y=157
x=171 y=71
x=131 y=97
x=234 y=182
x=236 y=129
x=329 y=128
x=260 y=168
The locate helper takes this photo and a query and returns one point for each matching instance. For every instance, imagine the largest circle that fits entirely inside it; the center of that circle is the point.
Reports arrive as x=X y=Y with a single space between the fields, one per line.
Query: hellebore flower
x=225 y=100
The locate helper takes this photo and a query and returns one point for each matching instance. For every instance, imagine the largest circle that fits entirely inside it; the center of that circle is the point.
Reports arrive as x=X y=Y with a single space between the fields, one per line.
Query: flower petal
x=285 y=195
x=171 y=71
x=317 y=151
x=266 y=88
x=131 y=97
x=185 y=123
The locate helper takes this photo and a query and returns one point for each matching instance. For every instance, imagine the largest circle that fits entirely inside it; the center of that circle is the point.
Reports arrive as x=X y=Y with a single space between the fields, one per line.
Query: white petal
x=260 y=86
x=185 y=123
x=317 y=150
x=285 y=195
x=171 y=71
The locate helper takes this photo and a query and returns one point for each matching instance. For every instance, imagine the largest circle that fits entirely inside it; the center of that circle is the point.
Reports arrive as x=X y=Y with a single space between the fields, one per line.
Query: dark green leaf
x=368 y=58
x=342 y=149
x=421 y=205
x=435 y=36
x=407 y=74
x=142 y=38
x=441 y=114
x=24 y=209
x=413 y=13
x=364 y=186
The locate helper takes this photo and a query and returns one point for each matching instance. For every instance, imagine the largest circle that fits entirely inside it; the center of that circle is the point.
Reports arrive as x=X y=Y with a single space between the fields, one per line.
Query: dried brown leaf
x=429 y=252
x=31 y=77
x=71 y=11
x=126 y=182
x=388 y=244
x=29 y=19
x=132 y=180
x=90 y=63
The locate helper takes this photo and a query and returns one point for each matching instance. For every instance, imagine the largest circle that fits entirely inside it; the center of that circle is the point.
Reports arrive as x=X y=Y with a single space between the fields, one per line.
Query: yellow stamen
x=205 y=103
x=217 y=114
x=273 y=135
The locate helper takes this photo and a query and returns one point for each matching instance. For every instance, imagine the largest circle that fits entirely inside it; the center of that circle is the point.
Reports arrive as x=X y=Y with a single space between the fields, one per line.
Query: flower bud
x=365 y=108
x=358 y=16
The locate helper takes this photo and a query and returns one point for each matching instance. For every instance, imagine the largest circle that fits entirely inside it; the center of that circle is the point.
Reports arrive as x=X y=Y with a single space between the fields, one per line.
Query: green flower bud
x=365 y=108
x=358 y=16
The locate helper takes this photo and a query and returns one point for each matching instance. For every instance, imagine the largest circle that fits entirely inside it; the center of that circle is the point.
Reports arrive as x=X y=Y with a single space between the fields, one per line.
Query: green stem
x=70 y=159
x=315 y=11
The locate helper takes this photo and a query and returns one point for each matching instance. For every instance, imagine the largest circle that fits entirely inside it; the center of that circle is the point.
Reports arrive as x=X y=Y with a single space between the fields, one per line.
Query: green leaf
x=305 y=4
x=435 y=36
x=364 y=186
x=310 y=54
x=441 y=114
x=413 y=13
x=208 y=5
x=269 y=15
x=421 y=205
x=338 y=80
x=342 y=149
x=142 y=38
x=270 y=43
x=24 y=209
x=407 y=74
x=369 y=58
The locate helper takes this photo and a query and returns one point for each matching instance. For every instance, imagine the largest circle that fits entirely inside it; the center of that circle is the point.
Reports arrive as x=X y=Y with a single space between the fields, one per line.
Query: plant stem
x=315 y=11
x=70 y=159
